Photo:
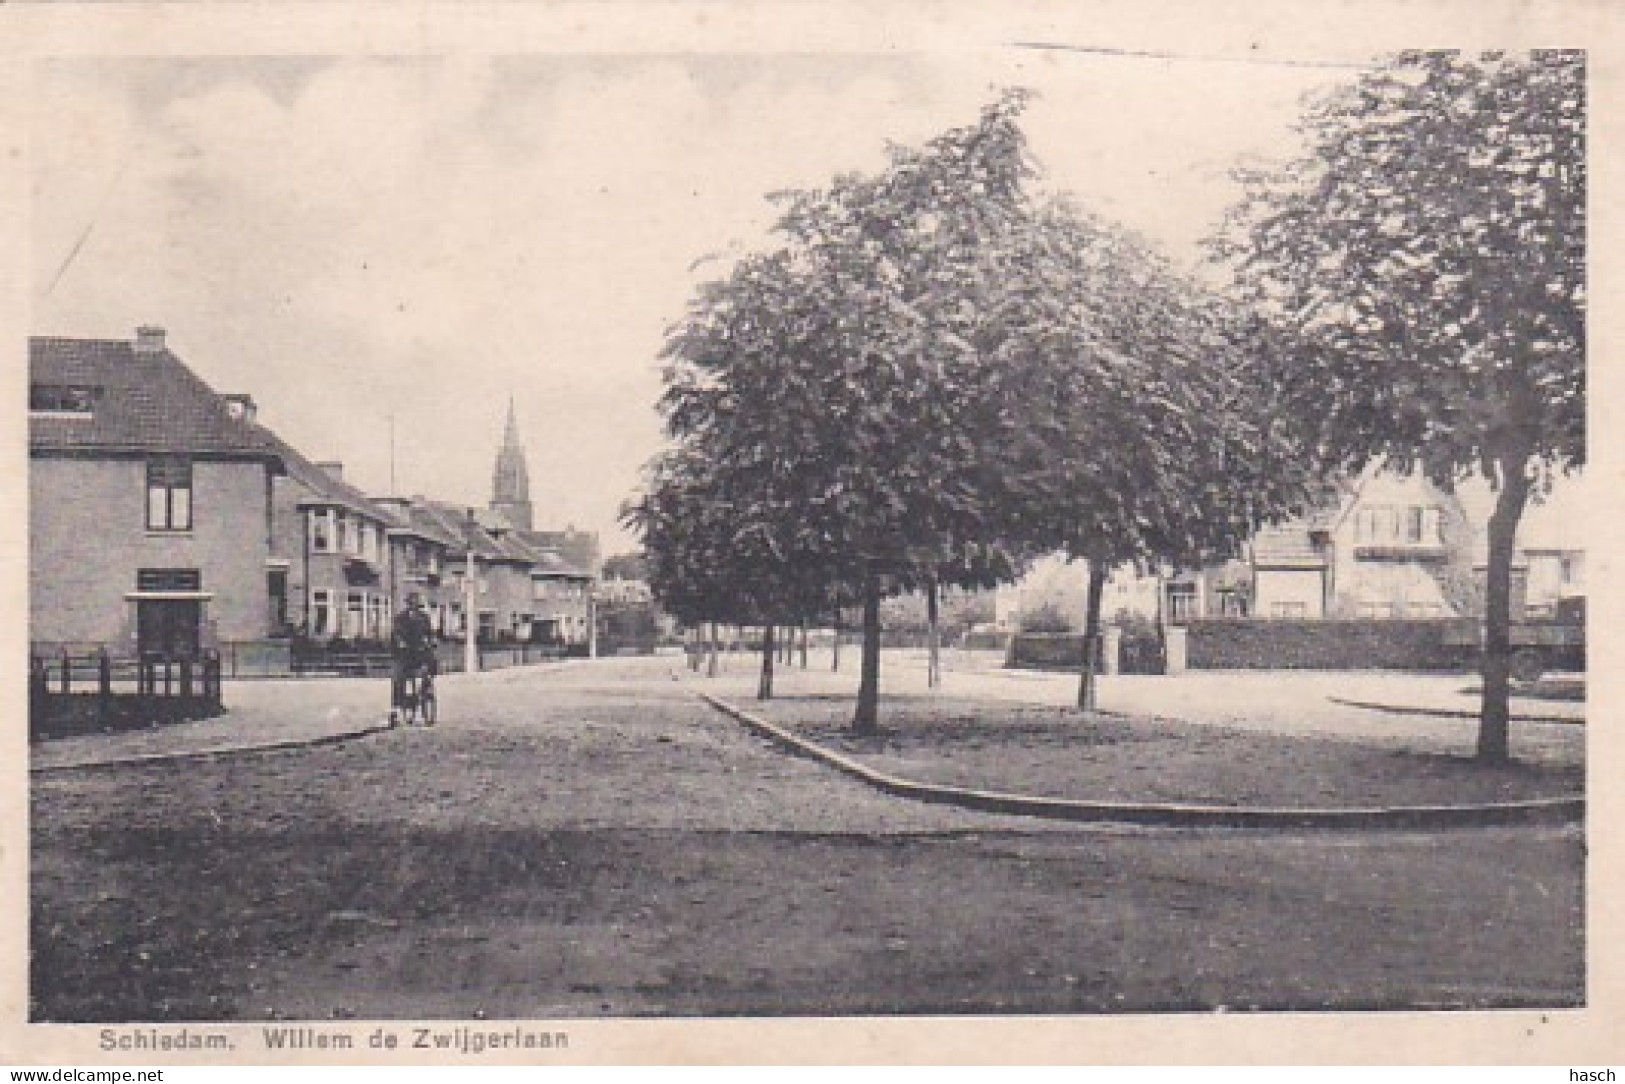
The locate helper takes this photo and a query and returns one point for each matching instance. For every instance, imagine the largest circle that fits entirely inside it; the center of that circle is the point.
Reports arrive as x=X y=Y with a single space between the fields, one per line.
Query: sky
x=369 y=245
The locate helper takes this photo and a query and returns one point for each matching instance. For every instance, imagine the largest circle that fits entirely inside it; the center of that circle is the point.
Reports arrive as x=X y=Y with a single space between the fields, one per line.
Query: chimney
x=334 y=470
x=149 y=339
x=240 y=405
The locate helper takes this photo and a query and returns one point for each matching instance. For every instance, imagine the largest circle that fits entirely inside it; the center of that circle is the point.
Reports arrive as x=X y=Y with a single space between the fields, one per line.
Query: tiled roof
x=326 y=490
x=1286 y=546
x=552 y=564
x=549 y=557
x=149 y=402
x=512 y=549
x=453 y=519
x=411 y=517
x=574 y=552
x=492 y=520
x=533 y=547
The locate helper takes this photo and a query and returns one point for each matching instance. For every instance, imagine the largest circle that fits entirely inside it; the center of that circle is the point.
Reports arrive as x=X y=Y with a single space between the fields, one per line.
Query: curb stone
x=147 y=759
x=1540 y=810
x=1451 y=713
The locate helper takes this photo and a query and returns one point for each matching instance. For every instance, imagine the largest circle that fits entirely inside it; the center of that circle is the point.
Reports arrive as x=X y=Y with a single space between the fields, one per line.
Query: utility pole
x=592 y=621
x=471 y=617
x=471 y=623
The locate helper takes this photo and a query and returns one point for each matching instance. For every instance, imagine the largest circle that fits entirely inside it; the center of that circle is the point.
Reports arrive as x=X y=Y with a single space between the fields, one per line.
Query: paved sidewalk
x=262 y=715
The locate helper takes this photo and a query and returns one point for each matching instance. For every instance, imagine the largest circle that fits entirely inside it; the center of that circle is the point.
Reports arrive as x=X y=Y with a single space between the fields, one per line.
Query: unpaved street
x=590 y=840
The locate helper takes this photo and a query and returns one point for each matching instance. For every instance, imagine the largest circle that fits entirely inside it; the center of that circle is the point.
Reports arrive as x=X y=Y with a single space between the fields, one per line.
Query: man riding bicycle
x=412 y=650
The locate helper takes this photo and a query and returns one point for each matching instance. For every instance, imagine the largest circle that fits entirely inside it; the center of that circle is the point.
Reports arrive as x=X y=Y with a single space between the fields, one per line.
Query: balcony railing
x=1401 y=551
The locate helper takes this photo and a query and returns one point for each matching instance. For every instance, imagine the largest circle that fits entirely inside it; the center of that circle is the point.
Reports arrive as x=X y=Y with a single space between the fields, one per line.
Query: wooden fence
x=93 y=692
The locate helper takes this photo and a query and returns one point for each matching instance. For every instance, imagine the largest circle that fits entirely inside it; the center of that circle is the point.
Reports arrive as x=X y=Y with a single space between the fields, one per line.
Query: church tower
x=510 y=480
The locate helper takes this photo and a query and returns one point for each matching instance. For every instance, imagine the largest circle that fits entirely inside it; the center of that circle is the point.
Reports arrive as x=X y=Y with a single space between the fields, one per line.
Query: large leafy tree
x=1138 y=409
x=830 y=386
x=1429 y=254
x=710 y=557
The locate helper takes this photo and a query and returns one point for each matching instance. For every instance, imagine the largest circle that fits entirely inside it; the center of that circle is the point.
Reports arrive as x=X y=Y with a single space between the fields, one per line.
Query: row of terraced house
x=166 y=519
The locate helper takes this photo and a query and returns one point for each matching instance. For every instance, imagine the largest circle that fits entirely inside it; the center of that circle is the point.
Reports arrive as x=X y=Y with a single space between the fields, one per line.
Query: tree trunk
x=866 y=720
x=835 y=657
x=1091 y=637
x=764 y=687
x=711 y=664
x=804 y=632
x=933 y=643
x=1494 y=743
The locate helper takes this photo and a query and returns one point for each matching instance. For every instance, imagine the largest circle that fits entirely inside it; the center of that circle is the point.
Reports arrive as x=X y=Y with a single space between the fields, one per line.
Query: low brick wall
x=1257 y=644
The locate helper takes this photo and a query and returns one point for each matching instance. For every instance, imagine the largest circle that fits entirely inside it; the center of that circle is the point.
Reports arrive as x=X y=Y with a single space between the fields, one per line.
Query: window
x=354 y=608
x=1412 y=524
x=1181 y=601
x=321 y=613
x=168 y=579
x=321 y=531
x=62 y=398
x=343 y=532
x=1377 y=524
x=169 y=493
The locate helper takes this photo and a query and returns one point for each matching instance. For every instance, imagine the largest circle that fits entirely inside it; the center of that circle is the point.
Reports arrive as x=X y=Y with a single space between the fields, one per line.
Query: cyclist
x=412 y=650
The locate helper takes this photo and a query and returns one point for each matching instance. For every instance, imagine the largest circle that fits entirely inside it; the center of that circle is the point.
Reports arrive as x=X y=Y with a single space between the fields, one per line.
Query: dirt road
x=589 y=840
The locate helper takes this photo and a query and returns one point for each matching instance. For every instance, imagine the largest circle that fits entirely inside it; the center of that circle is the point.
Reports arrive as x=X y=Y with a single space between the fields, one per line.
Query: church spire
x=510 y=479
x=510 y=435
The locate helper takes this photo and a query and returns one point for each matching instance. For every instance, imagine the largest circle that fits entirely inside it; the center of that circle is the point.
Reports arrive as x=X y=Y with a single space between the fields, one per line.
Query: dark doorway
x=168 y=627
x=277 y=590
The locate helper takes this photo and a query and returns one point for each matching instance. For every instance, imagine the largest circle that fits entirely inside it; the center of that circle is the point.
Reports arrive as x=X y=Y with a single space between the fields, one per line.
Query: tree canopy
x=937 y=373
x=1428 y=254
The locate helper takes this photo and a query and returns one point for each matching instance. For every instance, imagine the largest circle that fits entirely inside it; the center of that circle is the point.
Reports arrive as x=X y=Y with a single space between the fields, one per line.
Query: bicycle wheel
x=429 y=704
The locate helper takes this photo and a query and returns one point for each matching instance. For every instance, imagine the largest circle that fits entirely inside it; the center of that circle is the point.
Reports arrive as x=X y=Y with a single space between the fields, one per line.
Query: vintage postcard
x=799 y=532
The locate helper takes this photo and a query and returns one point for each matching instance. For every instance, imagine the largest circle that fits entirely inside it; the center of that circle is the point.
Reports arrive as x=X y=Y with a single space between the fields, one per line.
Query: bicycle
x=418 y=696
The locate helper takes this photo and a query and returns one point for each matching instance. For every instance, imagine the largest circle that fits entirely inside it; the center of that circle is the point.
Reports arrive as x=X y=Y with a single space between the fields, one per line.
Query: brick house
x=423 y=551
x=458 y=523
x=334 y=542
x=562 y=600
x=508 y=607
x=1384 y=546
x=150 y=514
x=1387 y=547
